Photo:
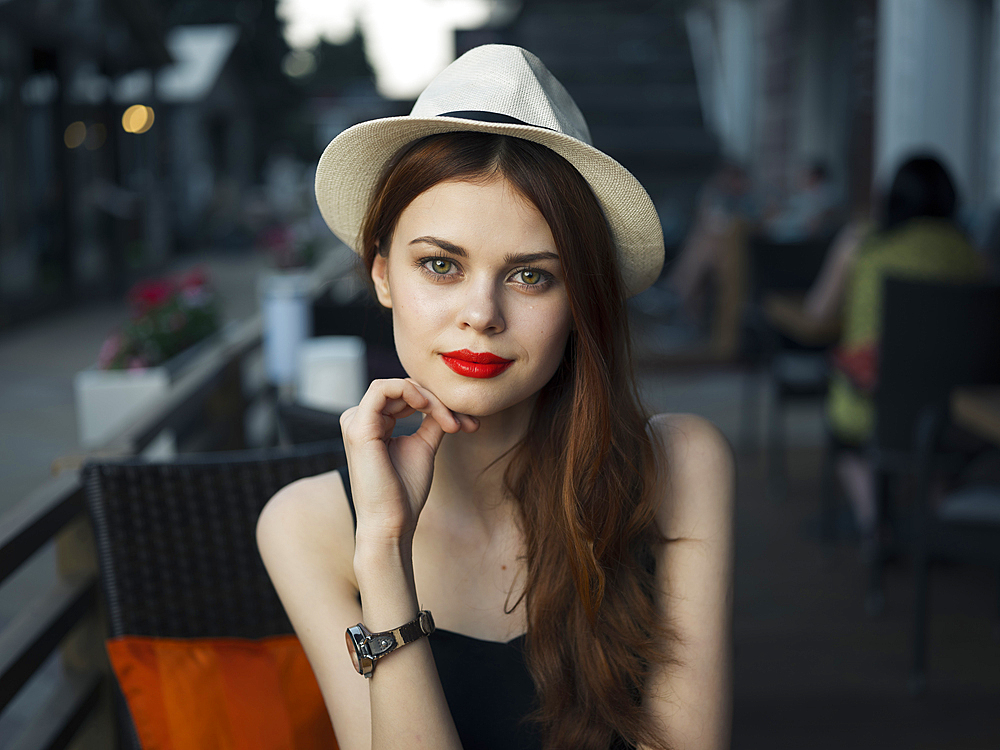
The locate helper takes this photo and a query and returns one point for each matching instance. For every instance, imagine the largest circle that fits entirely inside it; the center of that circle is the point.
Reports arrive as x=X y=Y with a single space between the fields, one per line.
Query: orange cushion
x=221 y=693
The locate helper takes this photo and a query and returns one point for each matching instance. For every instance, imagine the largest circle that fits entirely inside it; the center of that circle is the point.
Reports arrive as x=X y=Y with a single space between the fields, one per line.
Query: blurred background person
x=709 y=274
x=916 y=237
x=808 y=211
x=724 y=204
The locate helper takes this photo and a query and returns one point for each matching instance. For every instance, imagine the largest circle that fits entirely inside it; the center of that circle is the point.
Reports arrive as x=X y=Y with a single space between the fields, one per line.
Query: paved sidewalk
x=39 y=360
x=38 y=425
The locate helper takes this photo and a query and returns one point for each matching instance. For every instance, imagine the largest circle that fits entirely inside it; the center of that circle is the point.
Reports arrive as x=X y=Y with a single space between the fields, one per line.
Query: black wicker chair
x=936 y=336
x=963 y=526
x=794 y=371
x=298 y=424
x=177 y=547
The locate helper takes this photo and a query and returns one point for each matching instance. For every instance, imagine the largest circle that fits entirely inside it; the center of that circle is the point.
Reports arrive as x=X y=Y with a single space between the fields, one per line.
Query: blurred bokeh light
x=76 y=133
x=138 y=119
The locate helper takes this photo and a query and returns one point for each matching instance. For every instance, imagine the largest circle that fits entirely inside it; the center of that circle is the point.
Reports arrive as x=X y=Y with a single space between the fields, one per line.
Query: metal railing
x=208 y=403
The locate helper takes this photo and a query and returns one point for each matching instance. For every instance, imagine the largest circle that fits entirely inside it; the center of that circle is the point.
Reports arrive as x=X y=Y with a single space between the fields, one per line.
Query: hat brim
x=352 y=163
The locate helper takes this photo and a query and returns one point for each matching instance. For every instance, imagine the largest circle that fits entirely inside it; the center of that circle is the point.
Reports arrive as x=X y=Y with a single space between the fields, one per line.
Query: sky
x=407 y=42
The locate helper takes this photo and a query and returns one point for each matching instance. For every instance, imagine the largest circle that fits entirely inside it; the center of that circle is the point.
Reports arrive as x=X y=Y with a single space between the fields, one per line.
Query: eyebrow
x=509 y=259
x=448 y=247
x=512 y=259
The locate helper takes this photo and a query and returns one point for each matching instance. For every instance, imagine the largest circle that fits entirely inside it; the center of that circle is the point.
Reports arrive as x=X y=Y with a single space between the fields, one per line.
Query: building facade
x=860 y=84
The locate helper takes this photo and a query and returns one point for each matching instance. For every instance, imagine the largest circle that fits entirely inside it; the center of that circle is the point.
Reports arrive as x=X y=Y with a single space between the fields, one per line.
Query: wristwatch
x=366 y=647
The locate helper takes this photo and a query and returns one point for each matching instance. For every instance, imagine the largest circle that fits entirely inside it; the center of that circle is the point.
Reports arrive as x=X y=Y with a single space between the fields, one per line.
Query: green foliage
x=168 y=316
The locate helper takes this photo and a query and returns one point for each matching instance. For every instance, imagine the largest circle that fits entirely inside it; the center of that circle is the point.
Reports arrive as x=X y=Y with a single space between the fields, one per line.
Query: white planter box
x=108 y=400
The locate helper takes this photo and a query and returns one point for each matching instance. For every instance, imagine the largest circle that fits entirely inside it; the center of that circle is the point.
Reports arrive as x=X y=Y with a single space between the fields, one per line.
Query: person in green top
x=916 y=238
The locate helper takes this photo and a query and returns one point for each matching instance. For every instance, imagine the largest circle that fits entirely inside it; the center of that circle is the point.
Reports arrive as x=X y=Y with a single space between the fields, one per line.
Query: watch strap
x=389 y=640
x=412 y=630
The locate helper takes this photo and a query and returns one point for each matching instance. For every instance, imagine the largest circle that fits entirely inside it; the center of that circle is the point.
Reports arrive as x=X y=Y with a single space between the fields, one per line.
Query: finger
x=398 y=408
x=437 y=410
x=388 y=425
x=389 y=420
x=405 y=413
x=468 y=422
x=430 y=431
x=386 y=398
x=347 y=416
x=445 y=417
x=381 y=393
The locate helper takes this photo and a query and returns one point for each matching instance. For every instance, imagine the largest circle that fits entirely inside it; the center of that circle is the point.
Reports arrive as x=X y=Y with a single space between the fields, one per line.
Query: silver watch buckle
x=381 y=644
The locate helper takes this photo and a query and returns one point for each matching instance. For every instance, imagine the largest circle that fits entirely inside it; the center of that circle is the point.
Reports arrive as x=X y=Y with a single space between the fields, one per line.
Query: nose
x=481 y=308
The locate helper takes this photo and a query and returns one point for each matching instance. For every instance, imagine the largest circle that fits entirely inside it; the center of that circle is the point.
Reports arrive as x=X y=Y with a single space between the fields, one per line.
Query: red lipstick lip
x=483 y=358
x=476 y=364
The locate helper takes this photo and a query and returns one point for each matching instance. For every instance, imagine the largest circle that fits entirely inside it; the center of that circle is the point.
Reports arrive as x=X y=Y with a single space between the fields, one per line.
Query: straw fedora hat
x=495 y=88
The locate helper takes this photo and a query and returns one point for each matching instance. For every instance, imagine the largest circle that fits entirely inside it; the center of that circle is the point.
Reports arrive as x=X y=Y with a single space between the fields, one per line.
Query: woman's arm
x=693 y=698
x=390 y=479
x=826 y=296
x=306 y=538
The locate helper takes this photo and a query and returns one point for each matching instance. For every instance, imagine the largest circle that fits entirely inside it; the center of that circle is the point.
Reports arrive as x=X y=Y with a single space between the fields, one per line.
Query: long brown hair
x=585 y=474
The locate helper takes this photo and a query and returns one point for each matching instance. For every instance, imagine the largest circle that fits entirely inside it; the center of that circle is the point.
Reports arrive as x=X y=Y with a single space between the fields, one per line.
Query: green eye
x=530 y=276
x=441 y=265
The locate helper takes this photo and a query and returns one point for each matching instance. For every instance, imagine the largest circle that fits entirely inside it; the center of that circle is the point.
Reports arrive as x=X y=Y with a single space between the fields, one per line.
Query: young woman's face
x=479 y=305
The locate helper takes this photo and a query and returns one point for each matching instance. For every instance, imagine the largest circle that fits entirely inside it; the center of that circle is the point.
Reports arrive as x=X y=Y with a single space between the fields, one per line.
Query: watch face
x=356 y=638
x=353 y=651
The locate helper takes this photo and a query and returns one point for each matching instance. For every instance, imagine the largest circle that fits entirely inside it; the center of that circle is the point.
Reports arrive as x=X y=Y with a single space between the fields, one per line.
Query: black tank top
x=486 y=683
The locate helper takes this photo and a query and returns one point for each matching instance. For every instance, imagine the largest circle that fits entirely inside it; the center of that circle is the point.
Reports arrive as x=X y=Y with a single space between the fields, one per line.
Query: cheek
x=550 y=328
x=415 y=320
x=420 y=307
x=556 y=332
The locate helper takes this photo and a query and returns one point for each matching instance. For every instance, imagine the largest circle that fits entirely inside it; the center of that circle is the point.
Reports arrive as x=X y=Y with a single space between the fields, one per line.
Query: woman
x=724 y=205
x=531 y=511
x=917 y=238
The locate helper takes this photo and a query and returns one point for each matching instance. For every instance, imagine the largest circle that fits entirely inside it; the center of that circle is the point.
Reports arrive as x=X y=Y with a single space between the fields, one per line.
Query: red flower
x=196 y=278
x=146 y=295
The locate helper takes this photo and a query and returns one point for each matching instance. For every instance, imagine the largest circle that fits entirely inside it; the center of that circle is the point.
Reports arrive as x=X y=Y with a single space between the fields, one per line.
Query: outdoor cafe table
x=978 y=411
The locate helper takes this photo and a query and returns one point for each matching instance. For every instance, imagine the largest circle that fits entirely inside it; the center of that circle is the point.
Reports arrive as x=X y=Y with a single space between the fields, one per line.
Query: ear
x=380 y=278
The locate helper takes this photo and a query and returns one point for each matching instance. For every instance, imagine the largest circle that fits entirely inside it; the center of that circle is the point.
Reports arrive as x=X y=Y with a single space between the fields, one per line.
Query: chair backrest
x=785 y=266
x=362 y=317
x=301 y=424
x=176 y=541
x=936 y=336
x=990 y=246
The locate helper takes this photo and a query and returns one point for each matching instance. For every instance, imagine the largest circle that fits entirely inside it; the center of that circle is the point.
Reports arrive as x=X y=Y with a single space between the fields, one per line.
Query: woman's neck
x=469 y=467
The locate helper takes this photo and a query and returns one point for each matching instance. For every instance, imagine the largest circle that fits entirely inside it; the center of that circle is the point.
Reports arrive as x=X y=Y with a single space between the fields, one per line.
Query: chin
x=482 y=398
x=477 y=397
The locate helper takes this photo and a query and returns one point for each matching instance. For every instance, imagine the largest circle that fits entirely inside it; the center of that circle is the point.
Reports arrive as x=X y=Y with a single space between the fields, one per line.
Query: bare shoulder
x=306 y=538
x=697 y=475
x=692 y=698
x=687 y=430
x=308 y=523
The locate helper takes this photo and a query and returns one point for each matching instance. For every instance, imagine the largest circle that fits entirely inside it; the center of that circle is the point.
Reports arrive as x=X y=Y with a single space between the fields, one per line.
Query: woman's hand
x=391 y=476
